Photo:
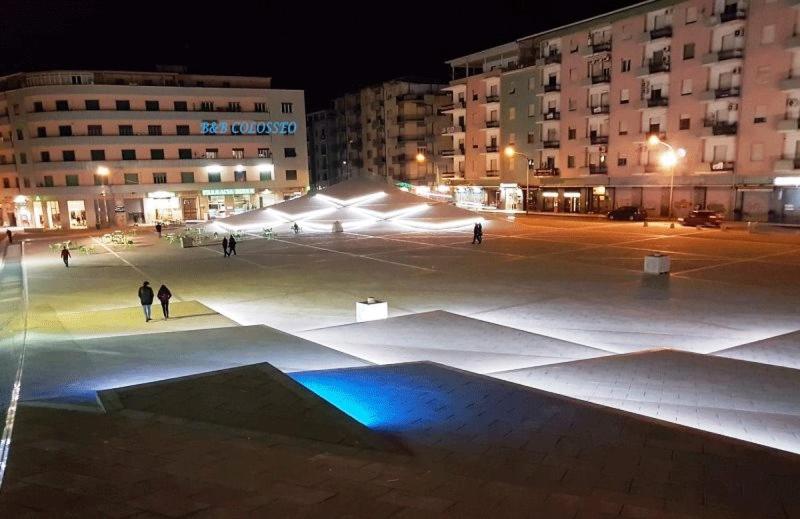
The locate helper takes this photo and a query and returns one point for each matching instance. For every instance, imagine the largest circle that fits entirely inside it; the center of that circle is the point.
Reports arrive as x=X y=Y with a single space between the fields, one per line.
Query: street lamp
x=509 y=152
x=668 y=159
x=421 y=158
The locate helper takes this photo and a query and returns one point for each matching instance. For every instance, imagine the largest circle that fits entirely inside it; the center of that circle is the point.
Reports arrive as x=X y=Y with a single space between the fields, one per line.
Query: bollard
x=672 y=225
x=656 y=263
x=371 y=310
x=645 y=224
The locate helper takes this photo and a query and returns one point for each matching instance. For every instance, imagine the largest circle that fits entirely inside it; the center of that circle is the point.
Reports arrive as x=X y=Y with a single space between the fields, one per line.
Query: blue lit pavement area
x=11 y=325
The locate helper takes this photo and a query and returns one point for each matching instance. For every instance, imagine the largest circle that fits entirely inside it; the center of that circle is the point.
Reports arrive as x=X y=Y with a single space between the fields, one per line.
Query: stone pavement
x=475 y=447
x=782 y=350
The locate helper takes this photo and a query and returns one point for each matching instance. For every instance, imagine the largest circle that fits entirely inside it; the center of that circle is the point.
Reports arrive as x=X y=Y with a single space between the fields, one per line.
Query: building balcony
x=598 y=169
x=722 y=55
x=721 y=166
x=604 y=77
x=450 y=152
x=597 y=47
x=788 y=125
x=546 y=172
x=551 y=87
x=662 y=136
x=133 y=165
x=598 y=139
x=553 y=57
x=493 y=124
x=551 y=116
x=654 y=102
x=787 y=164
x=720 y=93
x=551 y=143
x=730 y=15
x=411 y=97
x=494 y=98
x=456 y=105
x=657 y=65
x=661 y=32
x=492 y=173
x=790 y=83
x=720 y=127
x=450 y=130
x=410 y=118
x=411 y=138
x=599 y=109
x=492 y=148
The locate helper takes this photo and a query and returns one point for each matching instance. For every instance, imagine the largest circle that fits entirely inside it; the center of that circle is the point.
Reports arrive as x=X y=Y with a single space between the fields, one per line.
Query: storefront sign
x=223 y=192
x=161 y=194
x=787 y=181
x=248 y=128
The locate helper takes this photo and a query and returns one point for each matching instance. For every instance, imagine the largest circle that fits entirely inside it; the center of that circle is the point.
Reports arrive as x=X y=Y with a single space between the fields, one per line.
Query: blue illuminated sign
x=248 y=128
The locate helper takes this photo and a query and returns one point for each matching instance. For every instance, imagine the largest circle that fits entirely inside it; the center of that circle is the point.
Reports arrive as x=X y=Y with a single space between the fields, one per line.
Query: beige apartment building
x=719 y=78
x=90 y=149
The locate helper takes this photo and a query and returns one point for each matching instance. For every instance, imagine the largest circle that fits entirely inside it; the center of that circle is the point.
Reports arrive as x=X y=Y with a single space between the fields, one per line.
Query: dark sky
x=323 y=47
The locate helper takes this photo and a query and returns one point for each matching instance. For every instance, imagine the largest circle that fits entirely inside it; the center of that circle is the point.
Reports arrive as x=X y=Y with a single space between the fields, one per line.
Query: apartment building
x=385 y=129
x=87 y=149
x=718 y=78
x=323 y=147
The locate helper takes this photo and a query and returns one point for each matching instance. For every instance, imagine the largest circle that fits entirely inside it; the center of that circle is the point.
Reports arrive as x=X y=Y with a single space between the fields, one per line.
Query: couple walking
x=146 y=298
x=229 y=246
x=477 y=233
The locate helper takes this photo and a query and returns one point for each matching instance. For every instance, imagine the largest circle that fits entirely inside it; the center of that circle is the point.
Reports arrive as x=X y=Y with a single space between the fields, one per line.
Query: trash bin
x=656 y=263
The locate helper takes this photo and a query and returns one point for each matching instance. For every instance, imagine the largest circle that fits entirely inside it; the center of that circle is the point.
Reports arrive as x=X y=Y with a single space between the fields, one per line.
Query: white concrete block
x=656 y=264
x=371 y=310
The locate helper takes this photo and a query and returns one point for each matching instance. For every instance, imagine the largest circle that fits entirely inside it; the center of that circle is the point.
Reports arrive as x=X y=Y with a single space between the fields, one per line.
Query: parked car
x=627 y=212
x=704 y=218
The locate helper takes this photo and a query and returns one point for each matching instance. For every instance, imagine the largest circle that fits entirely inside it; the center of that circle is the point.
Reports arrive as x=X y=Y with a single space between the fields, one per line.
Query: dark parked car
x=627 y=212
x=704 y=218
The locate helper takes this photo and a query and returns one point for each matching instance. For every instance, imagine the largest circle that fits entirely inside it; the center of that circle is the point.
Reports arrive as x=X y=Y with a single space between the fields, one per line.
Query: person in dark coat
x=480 y=233
x=164 y=295
x=65 y=255
x=475 y=233
x=225 y=246
x=158 y=229
x=10 y=236
x=232 y=246
x=146 y=298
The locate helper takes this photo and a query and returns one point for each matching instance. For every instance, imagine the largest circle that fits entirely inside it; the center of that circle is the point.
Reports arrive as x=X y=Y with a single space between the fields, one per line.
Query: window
x=512 y=113
x=287 y=108
x=626 y=65
x=238 y=153
x=572 y=134
x=691 y=14
x=71 y=180
x=100 y=180
x=6 y=183
x=571 y=105
x=41 y=131
x=624 y=96
x=151 y=106
x=622 y=159
x=757 y=152
x=38 y=106
x=686 y=87
x=187 y=177
x=185 y=153
x=68 y=156
x=45 y=155
x=289 y=152
x=122 y=105
x=157 y=154
x=688 y=51
x=531 y=137
x=182 y=129
x=159 y=178
x=94 y=130
x=684 y=123
x=62 y=105
x=211 y=153
x=240 y=175
x=19 y=134
x=92 y=104
x=48 y=181
x=128 y=154
x=263 y=176
x=532 y=83
x=23 y=158
x=26 y=182
x=264 y=153
x=179 y=106
x=767 y=34
x=570 y=161
x=214 y=177
x=260 y=107
x=65 y=131
x=153 y=129
x=125 y=129
x=291 y=174
x=761 y=114
x=623 y=128
x=234 y=106
x=531 y=110
x=207 y=106
x=98 y=154
x=131 y=178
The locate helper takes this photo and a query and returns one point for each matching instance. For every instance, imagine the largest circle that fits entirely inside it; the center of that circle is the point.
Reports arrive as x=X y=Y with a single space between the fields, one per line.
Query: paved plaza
x=552 y=308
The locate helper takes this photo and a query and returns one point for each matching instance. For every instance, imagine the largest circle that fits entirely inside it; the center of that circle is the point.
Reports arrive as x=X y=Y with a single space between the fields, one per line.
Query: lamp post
x=509 y=152
x=420 y=158
x=668 y=159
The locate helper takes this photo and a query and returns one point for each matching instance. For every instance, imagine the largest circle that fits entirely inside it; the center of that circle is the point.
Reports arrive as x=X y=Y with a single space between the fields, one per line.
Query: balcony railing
x=452 y=106
x=492 y=172
x=657 y=101
x=661 y=32
x=598 y=169
x=453 y=129
x=730 y=54
x=492 y=148
x=552 y=87
x=604 y=77
x=410 y=118
x=552 y=116
x=411 y=97
x=600 y=109
x=601 y=46
x=722 y=166
x=732 y=14
x=554 y=57
x=546 y=172
x=721 y=93
x=598 y=139
x=493 y=124
x=721 y=127
x=551 y=143
x=657 y=65
x=493 y=98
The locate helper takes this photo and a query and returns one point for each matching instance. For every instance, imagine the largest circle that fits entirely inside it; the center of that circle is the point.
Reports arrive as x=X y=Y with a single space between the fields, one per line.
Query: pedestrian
x=480 y=233
x=158 y=229
x=10 y=236
x=232 y=246
x=146 y=298
x=163 y=295
x=65 y=255
x=225 y=250
x=475 y=233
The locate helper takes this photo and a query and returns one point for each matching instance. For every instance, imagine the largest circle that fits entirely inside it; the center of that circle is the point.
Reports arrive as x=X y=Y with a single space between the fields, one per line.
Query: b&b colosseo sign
x=248 y=128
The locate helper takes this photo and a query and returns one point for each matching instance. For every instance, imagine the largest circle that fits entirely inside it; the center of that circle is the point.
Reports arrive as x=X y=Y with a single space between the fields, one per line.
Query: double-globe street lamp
x=509 y=152
x=668 y=159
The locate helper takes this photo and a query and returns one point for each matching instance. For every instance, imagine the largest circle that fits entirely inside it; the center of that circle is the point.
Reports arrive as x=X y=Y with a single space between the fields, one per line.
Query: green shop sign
x=240 y=191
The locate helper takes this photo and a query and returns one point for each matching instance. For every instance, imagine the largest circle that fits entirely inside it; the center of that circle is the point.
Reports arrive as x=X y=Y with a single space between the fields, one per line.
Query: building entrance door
x=189 y=208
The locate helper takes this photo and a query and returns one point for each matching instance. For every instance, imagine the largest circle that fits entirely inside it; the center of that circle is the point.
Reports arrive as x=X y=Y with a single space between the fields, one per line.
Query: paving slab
x=781 y=350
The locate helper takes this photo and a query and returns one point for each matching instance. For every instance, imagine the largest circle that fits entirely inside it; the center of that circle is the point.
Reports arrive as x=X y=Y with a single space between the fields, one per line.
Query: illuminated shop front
x=222 y=203
x=162 y=206
x=77 y=214
x=511 y=197
x=471 y=196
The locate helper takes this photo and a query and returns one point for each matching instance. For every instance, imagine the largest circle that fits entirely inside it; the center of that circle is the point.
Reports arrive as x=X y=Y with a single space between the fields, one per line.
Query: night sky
x=325 y=48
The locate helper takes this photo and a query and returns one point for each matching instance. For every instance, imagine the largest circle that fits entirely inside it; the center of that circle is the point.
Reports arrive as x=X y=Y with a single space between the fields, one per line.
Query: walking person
x=480 y=233
x=10 y=236
x=232 y=246
x=475 y=233
x=158 y=229
x=146 y=298
x=225 y=250
x=164 y=295
x=65 y=255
